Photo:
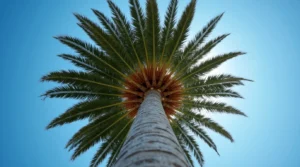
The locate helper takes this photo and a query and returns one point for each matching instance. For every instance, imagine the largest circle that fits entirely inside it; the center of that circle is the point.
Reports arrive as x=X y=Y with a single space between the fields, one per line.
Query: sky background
x=267 y=30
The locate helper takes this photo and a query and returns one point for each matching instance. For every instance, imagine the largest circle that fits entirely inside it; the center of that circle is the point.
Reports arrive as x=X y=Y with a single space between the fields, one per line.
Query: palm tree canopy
x=129 y=58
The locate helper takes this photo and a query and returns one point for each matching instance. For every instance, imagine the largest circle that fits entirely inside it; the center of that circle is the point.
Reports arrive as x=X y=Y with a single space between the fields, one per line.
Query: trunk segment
x=151 y=140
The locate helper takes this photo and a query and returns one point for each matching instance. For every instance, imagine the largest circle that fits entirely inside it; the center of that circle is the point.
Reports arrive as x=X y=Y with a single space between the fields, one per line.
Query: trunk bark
x=151 y=140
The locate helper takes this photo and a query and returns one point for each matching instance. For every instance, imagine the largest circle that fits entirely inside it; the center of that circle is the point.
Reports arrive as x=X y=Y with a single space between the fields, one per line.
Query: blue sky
x=267 y=30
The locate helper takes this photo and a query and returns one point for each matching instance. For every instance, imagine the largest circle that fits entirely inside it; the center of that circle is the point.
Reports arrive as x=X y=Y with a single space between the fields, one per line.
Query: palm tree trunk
x=151 y=140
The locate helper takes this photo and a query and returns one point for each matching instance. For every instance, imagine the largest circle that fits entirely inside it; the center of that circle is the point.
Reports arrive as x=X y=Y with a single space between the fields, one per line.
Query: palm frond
x=191 y=144
x=127 y=35
x=83 y=79
x=168 y=29
x=109 y=26
x=92 y=53
x=90 y=66
x=79 y=79
x=206 y=122
x=79 y=92
x=139 y=23
x=223 y=80
x=181 y=31
x=104 y=41
x=210 y=64
x=125 y=30
x=199 y=39
x=153 y=34
x=95 y=137
x=152 y=30
x=202 y=35
x=103 y=119
x=187 y=153
x=117 y=149
x=211 y=84
x=84 y=110
x=215 y=107
x=200 y=133
x=214 y=91
x=182 y=143
x=192 y=58
x=108 y=145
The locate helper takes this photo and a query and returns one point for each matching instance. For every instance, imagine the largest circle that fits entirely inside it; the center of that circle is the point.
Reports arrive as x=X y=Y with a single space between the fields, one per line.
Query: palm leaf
x=200 y=37
x=152 y=30
x=95 y=125
x=206 y=122
x=191 y=143
x=215 y=107
x=139 y=24
x=182 y=143
x=224 y=81
x=109 y=26
x=210 y=64
x=83 y=79
x=200 y=133
x=78 y=92
x=168 y=28
x=125 y=30
x=108 y=145
x=214 y=92
x=116 y=151
x=181 y=31
x=91 y=67
x=188 y=61
x=84 y=110
x=97 y=136
x=103 y=40
x=91 y=52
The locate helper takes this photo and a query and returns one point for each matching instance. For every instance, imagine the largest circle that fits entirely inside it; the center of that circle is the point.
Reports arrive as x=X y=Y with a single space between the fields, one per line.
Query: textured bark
x=151 y=140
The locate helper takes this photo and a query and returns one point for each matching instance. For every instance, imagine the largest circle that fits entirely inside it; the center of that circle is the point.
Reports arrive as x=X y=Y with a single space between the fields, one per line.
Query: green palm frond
x=84 y=110
x=214 y=107
x=209 y=65
x=191 y=59
x=81 y=79
x=182 y=143
x=213 y=92
x=109 y=144
x=168 y=29
x=200 y=120
x=200 y=37
x=125 y=30
x=190 y=143
x=80 y=92
x=181 y=30
x=115 y=152
x=109 y=26
x=152 y=30
x=223 y=81
x=200 y=133
x=104 y=41
x=97 y=135
x=90 y=66
x=186 y=151
x=81 y=62
x=103 y=119
x=139 y=24
x=92 y=53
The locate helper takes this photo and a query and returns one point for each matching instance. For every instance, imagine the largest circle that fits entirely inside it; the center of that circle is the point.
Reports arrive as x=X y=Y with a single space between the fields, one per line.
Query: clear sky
x=267 y=30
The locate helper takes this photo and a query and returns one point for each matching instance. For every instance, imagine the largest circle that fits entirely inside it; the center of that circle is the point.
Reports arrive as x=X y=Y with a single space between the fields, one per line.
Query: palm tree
x=142 y=87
